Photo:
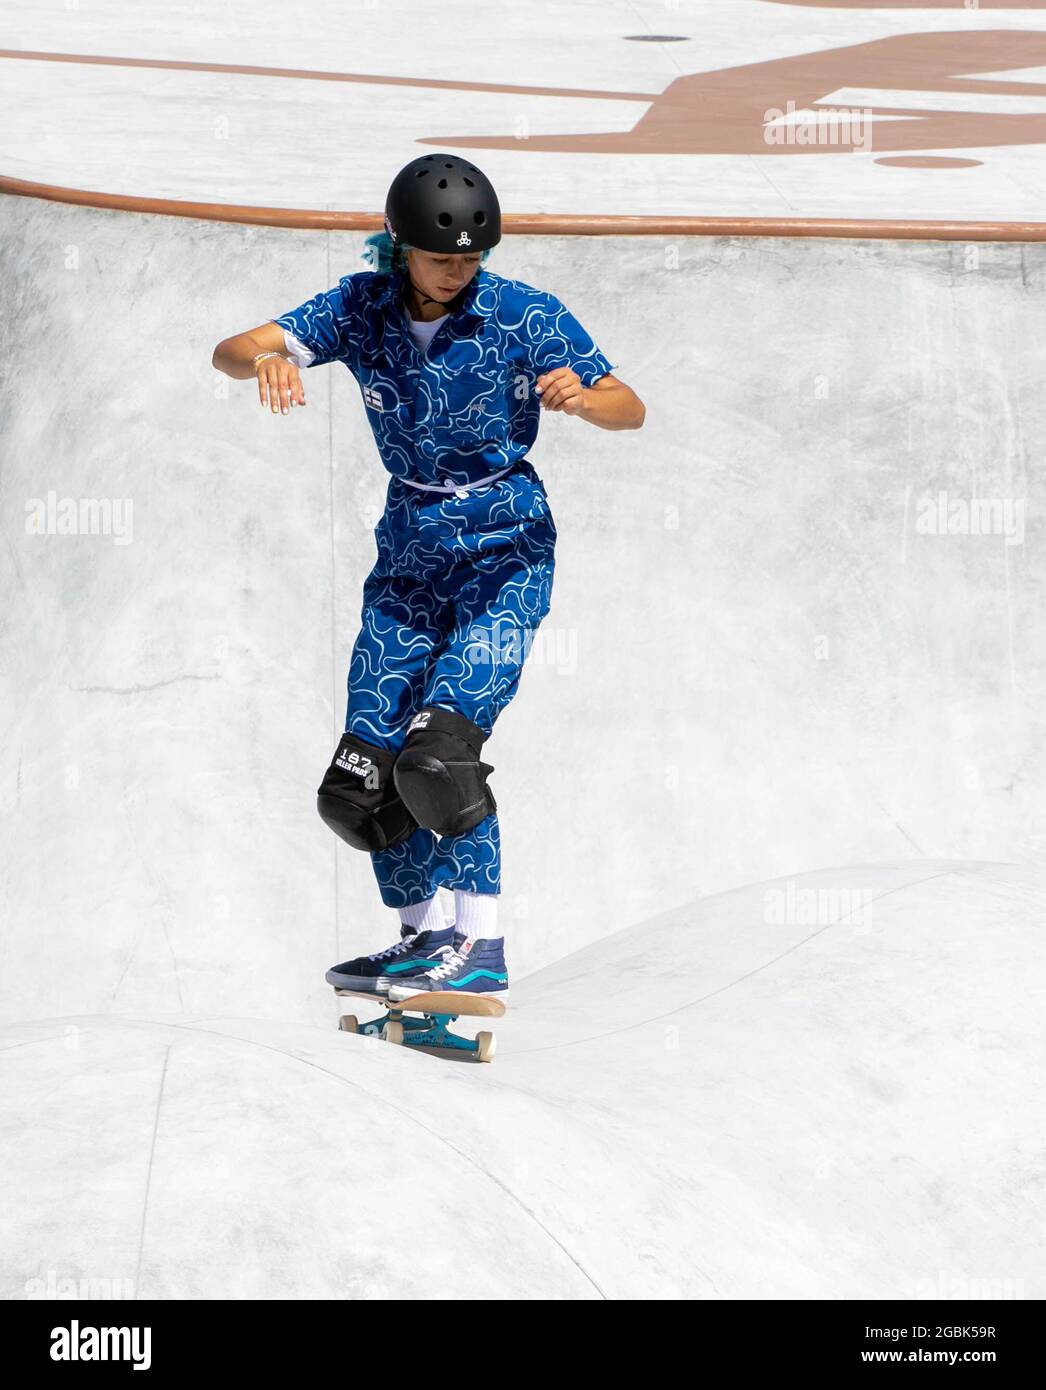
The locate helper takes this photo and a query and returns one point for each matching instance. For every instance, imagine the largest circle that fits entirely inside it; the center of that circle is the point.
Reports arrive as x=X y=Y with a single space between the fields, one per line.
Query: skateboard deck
x=423 y=1020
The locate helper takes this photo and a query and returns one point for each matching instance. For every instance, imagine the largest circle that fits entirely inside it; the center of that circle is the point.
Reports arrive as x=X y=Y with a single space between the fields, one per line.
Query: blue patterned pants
x=449 y=612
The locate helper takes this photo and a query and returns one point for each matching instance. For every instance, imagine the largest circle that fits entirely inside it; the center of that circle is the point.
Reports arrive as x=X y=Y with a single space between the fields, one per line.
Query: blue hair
x=383 y=254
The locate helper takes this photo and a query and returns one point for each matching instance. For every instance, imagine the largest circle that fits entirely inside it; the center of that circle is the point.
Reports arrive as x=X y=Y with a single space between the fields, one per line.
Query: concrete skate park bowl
x=797 y=624
x=729 y=1101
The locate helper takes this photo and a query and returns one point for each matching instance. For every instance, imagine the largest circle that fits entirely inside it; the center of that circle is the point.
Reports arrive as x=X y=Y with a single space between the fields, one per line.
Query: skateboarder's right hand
x=279 y=383
x=260 y=353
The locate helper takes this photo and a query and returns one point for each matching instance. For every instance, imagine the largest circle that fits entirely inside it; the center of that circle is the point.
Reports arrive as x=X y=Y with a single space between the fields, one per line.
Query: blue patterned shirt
x=466 y=408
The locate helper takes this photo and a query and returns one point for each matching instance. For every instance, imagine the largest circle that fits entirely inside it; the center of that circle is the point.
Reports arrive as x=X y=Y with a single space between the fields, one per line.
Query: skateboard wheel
x=393 y=1032
x=486 y=1045
x=349 y=1023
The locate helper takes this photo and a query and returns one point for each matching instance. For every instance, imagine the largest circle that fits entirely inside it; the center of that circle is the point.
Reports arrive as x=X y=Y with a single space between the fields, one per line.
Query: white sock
x=427 y=916
x=446 y=902
x=476 y=914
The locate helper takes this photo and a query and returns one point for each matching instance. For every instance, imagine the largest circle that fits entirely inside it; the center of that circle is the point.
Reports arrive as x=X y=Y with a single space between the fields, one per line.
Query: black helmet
x=443 y=204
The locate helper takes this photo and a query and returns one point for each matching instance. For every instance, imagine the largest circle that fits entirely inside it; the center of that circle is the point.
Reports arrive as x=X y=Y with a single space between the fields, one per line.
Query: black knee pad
x=439 y=775
x=358 y=798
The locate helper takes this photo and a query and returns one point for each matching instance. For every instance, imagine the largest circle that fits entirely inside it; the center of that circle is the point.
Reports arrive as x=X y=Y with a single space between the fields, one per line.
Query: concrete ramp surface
x=812 y=1088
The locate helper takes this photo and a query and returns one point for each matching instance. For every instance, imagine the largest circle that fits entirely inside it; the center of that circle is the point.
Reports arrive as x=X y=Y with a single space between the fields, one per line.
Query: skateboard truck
x=423 y=1020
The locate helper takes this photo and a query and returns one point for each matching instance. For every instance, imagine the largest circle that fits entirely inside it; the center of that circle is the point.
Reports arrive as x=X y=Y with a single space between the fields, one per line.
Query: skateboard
x=400 y=1022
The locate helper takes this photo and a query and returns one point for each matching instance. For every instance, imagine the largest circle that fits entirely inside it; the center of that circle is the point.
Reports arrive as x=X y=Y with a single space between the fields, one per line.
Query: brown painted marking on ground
x=724 y=111
x=912 y=4
x=311 y=75
x=927 y=161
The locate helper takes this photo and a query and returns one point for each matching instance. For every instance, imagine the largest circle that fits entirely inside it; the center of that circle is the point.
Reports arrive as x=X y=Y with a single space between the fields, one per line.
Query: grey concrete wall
x=757 y=662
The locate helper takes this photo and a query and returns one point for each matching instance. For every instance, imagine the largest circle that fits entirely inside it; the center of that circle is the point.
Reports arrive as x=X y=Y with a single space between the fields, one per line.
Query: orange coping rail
x=549 y=224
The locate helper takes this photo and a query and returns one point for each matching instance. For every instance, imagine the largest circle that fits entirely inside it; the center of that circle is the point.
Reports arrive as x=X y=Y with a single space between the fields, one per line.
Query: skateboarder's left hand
x=561 y=390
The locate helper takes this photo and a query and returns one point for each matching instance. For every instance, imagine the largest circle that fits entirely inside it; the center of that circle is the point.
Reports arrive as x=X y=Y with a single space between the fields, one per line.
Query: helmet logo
x=464 y=239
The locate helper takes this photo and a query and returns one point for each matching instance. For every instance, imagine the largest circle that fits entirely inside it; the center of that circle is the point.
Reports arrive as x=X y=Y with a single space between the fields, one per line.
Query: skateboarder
x=455 y=364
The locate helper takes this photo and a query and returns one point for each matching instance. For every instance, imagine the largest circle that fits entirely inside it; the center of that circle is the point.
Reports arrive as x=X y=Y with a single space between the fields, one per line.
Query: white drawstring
x=458 y=489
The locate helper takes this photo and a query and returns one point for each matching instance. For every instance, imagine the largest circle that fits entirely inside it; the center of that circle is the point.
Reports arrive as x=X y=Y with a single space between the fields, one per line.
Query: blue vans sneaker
x=413 y=955
x=476 y=968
